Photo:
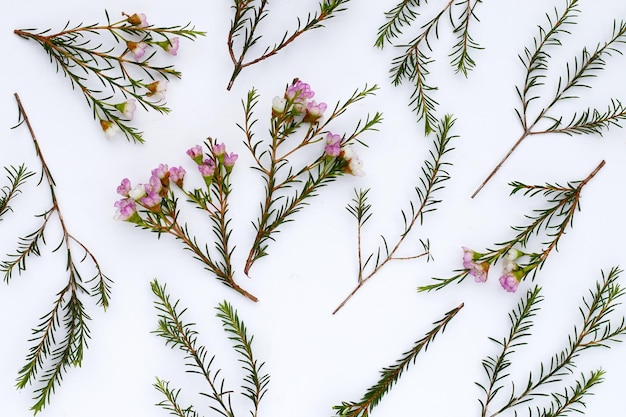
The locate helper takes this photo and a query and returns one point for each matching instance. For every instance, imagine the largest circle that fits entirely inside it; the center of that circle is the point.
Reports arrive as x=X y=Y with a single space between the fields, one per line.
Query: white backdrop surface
x=315 y=359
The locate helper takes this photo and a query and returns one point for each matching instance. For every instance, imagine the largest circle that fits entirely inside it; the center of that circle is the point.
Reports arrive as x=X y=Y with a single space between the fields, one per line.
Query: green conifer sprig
x=247 y=17
x=599 y=328
x=60 y=338
x=17 y=177
x=108 y=78
x=553 y=221
x=432 y=178
x=389 y=376
x=288 y=188
x=540 y=120
x=183 y=336
x=413 y=65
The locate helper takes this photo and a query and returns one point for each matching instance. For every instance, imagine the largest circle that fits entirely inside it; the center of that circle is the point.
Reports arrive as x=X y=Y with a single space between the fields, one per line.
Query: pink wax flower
x=177 y=175
x=314 y=111
x=195 y=153
x=110 y=129
x=157 y=89
x=229 y=160
x=219 y=149
x=171 y=46
x=154 y=185
x=333 y=144
x=355 y=165
x=161 y=171
x=151 y=201
x=509 y=282
x=124 y=187
x=137 y=19
x=138 y=49
x=126 y=210
x=299 y=91
x=479 y=270
x=127 y=108
x=207 y=168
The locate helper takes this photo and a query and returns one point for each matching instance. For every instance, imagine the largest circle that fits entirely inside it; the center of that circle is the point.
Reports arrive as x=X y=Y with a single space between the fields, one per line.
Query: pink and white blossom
x=355 y=165
x=219 y=149
x=138 y=19
x=127 y=108
x=137 y=192
x=333 y=144
x=151 y=200
x=138 y=49
x=177 y=175
x=157 y=89
x=279 y=105
x=299 y=91
x=126 y=210
x=314 y=111
x=230 y=159
x=124 y=187
x=171 y=46
x=479 y=270
x=110 y=128
x=509 y=281
x=195 y=153
x=207 y=168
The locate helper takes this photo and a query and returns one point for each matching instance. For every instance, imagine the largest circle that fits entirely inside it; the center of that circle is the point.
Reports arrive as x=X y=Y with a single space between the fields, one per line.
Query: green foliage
x=60 y=338
x=433 y=176
x=538 y=120
x=280 y=176
x=182 y=335
x=80 y=54
x=598 y=329
x=389 y=376
x=413 y=65
x=553 y=221
x=17 y=177
x=247 y=17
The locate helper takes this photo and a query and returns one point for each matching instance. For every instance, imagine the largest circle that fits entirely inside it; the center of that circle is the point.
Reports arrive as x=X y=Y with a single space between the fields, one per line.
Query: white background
x=316 y=360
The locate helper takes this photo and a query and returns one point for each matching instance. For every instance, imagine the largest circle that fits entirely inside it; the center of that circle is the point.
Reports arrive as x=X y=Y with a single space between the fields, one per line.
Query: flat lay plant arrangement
x=297 y=146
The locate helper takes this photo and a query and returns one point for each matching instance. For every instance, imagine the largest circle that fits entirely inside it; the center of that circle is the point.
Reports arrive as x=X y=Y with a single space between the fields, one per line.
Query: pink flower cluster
x=479 y=270
x=512 y=273
x=207 y=166
x=297 y=101
x=333 y=148
x=149 y=195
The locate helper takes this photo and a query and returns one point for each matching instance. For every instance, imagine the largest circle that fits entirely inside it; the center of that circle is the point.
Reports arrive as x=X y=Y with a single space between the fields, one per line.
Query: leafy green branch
x=292 y=114
x=553 y=221
x=61 y=336
x=154 y=206
x=389 y=376
x=248 y=14
x=84 y=59
x=182 y=335
x=413 y=65
x=598 y=329
x=578 y=73
x=434 y=174
x=17 y=178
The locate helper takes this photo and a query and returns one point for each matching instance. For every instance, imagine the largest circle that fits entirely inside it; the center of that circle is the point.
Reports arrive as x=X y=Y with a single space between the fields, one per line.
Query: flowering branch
x=554 y=221
x=293 y=112
x=413 y=64
x=598 y=329
x=154 y=206
x=433 y=176
x=17 y=177
x=61 y=336
x=535 y=60
x=126 y=75
x=247 y=17
x=391 y=375
x=181 y=335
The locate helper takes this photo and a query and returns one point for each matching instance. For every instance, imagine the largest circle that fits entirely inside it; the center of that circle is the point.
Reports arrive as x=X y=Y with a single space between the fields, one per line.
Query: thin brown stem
x=519 y=141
